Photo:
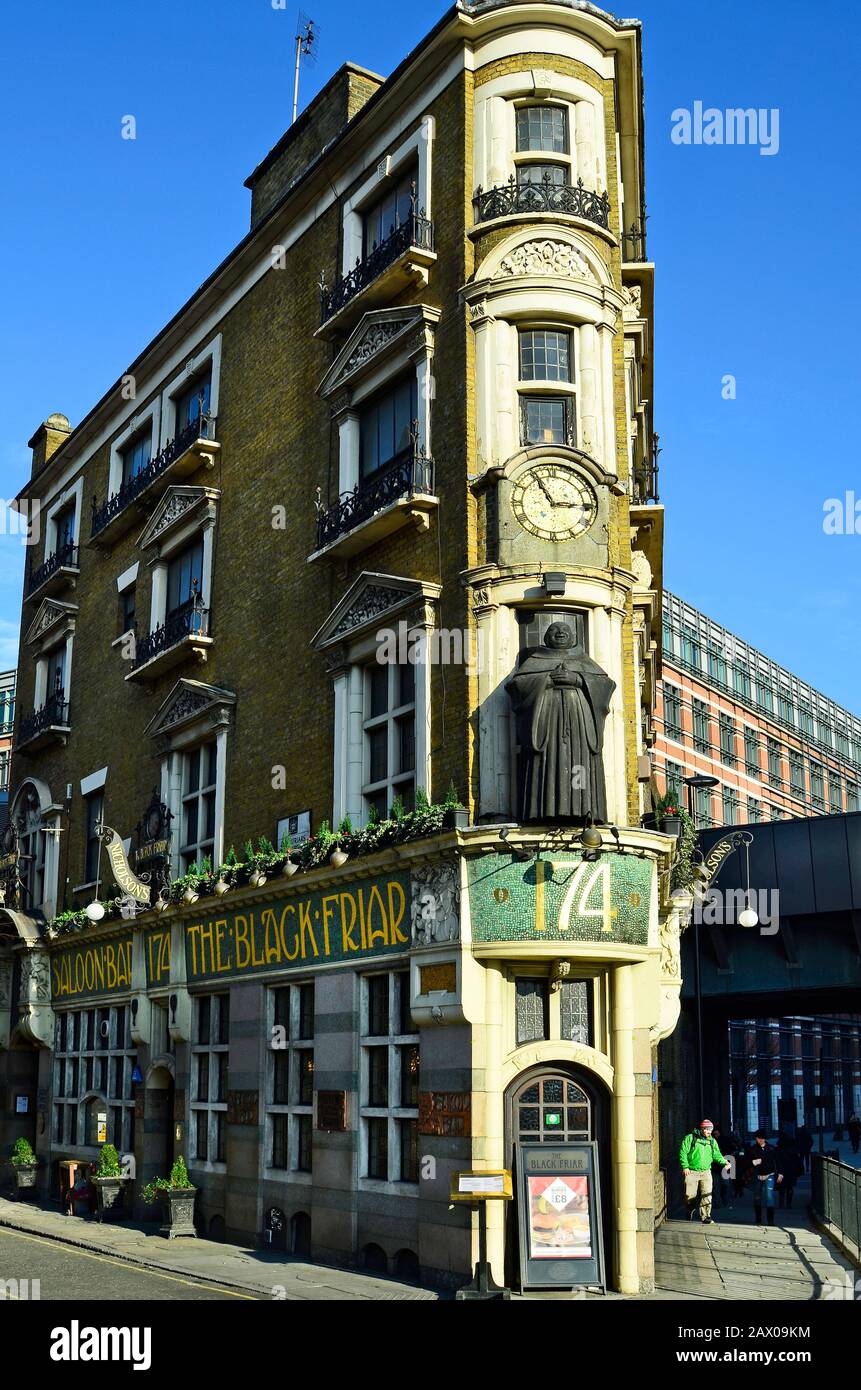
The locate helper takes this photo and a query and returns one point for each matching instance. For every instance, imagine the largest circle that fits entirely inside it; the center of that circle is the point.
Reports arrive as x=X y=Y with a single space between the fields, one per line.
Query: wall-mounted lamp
x=553 y=582
x=516 y=851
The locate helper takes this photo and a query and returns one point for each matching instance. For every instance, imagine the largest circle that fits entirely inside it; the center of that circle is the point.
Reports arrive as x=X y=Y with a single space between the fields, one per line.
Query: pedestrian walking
x=767 y=1176
x=697 y=1153
x=791 y=1166
x=854 y=1127
x=805 y=1144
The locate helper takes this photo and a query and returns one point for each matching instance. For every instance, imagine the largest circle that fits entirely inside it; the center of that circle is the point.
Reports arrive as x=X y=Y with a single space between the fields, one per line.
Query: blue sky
x=103 y=238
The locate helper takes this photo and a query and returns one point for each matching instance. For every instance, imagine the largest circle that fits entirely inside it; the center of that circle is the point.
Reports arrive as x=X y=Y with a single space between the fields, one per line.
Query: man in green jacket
x=696 y=1156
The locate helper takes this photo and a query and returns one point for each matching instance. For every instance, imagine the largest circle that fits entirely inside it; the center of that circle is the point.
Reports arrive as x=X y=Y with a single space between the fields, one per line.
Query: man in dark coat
x=560 y=698
x=767 y=1176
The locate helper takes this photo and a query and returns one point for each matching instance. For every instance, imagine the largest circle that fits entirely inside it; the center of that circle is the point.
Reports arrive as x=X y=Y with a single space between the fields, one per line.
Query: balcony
x=58 y=571
x=401 y=260
x=181 y=456
x=183 y=634
x=45 y=725
x=515 y=199
x=400 y=493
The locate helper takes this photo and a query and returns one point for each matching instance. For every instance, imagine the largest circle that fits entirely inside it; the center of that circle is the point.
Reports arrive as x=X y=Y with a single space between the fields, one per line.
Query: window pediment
x=189 y=703
x=178 y=506
x=370 y=598
x=50 y=618
x=380 y=334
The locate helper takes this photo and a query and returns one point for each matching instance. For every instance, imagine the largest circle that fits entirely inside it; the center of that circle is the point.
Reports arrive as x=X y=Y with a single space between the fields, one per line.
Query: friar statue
x=560 y=698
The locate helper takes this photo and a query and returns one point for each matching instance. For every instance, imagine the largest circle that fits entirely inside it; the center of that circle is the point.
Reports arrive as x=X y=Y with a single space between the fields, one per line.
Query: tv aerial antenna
x=307 y=36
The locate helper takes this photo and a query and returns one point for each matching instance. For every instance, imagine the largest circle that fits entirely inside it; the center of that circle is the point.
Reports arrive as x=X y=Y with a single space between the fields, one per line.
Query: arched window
x=551 y=1110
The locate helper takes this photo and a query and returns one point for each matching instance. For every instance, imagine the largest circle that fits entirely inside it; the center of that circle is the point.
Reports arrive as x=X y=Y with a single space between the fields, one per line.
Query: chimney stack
x=48 y=437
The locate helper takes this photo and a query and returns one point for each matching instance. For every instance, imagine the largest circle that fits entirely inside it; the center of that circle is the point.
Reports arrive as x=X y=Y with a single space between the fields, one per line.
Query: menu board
x=559 y=1216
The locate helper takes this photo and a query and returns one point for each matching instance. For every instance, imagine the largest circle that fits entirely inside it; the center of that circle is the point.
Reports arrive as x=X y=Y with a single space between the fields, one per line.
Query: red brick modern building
x=778 y=747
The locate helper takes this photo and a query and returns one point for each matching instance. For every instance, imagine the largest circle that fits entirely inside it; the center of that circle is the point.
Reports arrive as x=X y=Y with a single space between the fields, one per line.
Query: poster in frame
x=559 y=1216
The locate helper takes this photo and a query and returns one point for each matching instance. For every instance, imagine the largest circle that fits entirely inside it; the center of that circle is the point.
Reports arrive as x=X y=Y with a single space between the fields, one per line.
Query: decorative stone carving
x=548 y=257
x=35 y=978
x=642 y=569
x=373 y=601
x=176 y=507
x=632 y=295
x=435 y=908
x=188 y=703
x=376 y=337
x=36 y=1017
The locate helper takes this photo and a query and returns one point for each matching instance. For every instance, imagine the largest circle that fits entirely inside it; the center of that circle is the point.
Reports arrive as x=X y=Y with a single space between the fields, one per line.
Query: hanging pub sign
x=132 y=886
x=559 y=1216
x=152 y=851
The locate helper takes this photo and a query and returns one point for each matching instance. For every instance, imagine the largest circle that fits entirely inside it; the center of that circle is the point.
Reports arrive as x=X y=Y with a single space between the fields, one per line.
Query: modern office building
x=304 y=565
x=794 y=1070
x=778 y=747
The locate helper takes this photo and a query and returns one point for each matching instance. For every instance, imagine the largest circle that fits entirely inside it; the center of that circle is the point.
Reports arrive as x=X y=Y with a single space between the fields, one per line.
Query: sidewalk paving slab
x=238 y=1267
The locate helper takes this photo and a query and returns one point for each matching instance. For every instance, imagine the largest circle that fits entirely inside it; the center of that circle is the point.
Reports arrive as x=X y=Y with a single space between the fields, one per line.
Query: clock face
x=552 y=502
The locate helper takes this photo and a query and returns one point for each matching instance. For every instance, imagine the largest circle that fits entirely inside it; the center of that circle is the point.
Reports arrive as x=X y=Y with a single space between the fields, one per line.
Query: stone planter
x=110 y=1203
x=25 y=1178
x=455 y=818
x=178 y=1212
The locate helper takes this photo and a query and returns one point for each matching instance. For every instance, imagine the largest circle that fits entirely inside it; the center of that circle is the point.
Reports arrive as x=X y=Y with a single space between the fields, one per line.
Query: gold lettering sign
x=366 y=919
x=103 y=967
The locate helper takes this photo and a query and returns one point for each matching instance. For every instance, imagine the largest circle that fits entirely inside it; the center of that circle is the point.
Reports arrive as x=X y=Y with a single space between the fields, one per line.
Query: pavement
x=735 y=1259
x=209 y=1265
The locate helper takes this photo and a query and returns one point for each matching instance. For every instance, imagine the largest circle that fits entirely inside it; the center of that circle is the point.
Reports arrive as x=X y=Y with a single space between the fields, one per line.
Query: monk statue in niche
x=560 y=698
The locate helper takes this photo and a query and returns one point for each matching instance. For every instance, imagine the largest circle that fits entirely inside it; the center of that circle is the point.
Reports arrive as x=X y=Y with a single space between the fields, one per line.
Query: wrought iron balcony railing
x=634 y=242
x=191 y=619
x=506 y=199
x=415 y=231
x=53 y=714
x=202 y=427
x=65 y=557
x=412 y=472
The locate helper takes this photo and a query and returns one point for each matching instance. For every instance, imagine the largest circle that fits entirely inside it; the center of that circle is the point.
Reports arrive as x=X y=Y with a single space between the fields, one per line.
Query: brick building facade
x=415 y=401
x=778 y=747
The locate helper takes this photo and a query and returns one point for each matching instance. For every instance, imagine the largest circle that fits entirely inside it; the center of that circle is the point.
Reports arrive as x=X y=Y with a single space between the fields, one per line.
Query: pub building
x=373 y=517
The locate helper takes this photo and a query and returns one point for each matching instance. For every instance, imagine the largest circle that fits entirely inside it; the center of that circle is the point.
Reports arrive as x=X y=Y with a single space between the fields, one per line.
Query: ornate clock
x=552 y=502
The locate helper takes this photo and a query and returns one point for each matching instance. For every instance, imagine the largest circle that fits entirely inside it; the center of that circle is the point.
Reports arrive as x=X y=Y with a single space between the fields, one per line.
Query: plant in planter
x=683 y=874
x=455 y=814
x=668 y=814
x=177 y=1197
x=24 y=1163
x=108 y=1181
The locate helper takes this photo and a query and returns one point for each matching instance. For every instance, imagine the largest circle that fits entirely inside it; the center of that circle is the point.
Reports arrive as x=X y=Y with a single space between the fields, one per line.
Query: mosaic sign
x=100 y=967
x=560 y=898
x=367 y=919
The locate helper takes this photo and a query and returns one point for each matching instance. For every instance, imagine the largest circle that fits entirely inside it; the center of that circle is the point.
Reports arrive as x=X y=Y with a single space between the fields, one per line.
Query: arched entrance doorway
x=556 y=1103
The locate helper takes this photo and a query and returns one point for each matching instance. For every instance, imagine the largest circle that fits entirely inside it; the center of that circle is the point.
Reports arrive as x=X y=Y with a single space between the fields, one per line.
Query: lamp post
x=698 y=780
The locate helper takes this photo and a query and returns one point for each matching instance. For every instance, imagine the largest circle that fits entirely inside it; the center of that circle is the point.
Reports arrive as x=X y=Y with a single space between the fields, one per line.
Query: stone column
x=624 y=1131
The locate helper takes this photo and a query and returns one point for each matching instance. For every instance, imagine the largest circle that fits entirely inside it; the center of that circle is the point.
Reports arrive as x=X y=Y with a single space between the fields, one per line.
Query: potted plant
x=25 y=1163
x=177 y=1196
x=455 y=814
x=108 y=1181
x=669 y=815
